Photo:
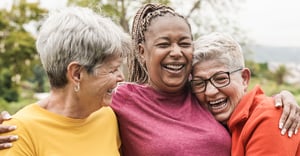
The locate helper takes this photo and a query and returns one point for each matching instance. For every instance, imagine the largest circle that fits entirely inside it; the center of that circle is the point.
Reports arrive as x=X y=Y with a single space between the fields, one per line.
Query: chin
x=221 y=119
x=107 y=102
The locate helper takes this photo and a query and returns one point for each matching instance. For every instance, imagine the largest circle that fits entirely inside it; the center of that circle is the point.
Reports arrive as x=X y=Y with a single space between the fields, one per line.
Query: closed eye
x=163 y=45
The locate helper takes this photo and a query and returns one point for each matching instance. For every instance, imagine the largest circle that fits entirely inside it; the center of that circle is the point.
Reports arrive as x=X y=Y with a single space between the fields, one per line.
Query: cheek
x=189 y=53
x=105 y=82
x=235 y=94
x=201 y=98
x=189 y=57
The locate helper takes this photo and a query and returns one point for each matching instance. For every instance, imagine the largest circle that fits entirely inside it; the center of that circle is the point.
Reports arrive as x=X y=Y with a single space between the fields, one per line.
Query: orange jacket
x=254 y=128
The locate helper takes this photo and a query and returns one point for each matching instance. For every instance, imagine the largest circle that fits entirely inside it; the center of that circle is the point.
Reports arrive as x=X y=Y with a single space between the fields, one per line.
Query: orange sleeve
x=265 y=138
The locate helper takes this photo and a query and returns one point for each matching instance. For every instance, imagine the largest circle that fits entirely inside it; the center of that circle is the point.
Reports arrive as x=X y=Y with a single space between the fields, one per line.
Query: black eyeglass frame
x=212 y=82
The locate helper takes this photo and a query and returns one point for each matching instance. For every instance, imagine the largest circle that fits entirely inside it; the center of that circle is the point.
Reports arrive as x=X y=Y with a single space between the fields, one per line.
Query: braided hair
x=137 y=69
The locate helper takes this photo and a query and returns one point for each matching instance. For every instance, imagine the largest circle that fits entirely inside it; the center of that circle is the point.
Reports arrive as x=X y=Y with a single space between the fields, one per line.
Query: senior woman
x=81 y=53
x=220 y=81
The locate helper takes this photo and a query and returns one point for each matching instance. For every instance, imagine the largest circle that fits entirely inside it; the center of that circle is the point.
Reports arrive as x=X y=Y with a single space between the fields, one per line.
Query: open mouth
x=174 y=67
x=218 y=105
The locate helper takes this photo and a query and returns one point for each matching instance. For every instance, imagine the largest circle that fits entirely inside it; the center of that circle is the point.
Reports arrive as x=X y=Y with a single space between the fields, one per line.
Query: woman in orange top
x=220 y=81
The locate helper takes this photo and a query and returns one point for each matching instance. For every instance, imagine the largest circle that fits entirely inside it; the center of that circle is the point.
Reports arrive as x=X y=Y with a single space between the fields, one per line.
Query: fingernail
x=277 y=104
x=283 y=131
x=6 y=116
x=12 y=128
x=13 y=138
x=290 y=133
x=7 y=145
x=296 y=131
x=280 y=125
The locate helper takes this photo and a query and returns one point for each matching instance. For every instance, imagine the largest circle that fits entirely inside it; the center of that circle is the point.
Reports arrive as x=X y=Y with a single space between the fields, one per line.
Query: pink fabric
x=154 y=124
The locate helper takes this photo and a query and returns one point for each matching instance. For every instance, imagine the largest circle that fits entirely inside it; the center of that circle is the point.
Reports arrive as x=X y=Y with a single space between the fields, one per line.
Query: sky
x=267 y=22
x=272 y=22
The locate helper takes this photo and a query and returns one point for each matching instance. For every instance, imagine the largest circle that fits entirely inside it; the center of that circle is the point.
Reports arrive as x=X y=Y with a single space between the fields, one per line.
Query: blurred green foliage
x=17 y=48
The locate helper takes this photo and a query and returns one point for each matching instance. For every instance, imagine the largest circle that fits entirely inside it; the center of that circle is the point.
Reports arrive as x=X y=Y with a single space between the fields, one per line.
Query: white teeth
x=216 y=102
x=174 y=66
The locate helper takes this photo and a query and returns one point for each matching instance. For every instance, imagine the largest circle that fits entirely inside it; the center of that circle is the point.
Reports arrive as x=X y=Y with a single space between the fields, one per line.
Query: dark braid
x=137 y=69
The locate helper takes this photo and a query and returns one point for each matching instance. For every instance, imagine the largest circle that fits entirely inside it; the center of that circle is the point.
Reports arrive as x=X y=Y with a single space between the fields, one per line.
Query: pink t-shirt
x=154 y=123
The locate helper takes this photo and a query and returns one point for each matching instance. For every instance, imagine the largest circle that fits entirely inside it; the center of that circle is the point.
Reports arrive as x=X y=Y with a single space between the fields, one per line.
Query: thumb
x=5 y=115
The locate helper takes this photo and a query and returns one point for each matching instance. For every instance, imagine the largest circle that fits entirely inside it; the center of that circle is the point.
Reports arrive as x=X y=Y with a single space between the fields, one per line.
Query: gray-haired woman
x=81 y=53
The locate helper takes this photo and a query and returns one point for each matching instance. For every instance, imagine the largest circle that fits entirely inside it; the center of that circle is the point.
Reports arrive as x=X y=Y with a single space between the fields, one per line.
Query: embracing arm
x=5 y=141
x=290 y=117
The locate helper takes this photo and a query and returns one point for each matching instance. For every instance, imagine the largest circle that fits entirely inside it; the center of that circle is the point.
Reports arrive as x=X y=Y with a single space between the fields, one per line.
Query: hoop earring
x=77 y=87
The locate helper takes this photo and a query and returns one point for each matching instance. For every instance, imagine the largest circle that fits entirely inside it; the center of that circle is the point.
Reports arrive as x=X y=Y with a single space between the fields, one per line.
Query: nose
x=176 y=51
x=120 y=76
x=210 y=89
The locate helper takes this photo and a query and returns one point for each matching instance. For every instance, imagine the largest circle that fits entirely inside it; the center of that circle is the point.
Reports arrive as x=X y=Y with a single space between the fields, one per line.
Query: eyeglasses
x=218 y=80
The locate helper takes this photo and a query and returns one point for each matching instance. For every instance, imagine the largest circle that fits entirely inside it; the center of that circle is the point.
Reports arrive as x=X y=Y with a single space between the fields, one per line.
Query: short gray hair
x=78 y=34
x=218 y=46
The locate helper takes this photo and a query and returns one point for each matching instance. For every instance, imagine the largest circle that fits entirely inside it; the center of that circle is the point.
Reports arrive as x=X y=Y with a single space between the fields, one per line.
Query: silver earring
x=77 y=87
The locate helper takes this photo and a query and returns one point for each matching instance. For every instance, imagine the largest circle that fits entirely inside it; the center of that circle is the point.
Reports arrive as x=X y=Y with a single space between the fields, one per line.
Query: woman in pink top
x=157 y=113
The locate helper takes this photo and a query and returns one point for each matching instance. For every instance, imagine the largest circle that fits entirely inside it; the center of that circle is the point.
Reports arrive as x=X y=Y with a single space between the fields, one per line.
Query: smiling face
x=167 y=52
x=221 y=101
x=99 y=85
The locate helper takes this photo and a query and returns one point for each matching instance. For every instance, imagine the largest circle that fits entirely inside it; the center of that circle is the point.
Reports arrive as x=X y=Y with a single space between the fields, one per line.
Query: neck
x=62 y=103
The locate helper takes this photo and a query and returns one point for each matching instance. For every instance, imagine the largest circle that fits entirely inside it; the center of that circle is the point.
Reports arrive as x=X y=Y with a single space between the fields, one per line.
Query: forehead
x=112 y=60
x=208 y=68
x=168 y=22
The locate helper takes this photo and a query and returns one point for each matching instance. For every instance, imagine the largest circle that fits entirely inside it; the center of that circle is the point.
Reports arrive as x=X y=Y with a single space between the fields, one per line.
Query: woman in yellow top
x=81 y=53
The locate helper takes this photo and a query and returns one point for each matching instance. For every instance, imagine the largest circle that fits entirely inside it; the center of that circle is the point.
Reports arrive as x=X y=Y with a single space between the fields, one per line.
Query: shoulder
x=121 y=94
x=105 y=111
x=126 y=86
x=23 y=115
x=263 y=104
x=27 y=112
x=263 y=113
x=127 y=89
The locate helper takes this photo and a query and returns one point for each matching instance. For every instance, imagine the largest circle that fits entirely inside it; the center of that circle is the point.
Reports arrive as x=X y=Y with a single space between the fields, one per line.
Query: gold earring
x=77 y=87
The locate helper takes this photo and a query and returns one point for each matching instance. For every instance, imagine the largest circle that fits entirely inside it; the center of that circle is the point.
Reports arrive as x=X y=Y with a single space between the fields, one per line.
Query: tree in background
x=280 y=74
x=17 y=46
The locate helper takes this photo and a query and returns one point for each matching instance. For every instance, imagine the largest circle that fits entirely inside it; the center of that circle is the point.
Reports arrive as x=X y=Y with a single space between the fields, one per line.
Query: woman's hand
x=290 y=118
x=5 y=141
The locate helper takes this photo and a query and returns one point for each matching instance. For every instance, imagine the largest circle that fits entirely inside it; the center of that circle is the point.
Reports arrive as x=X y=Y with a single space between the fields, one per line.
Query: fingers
x=5 y=115
x=278 y=101
x=5 y=141
x=5 y=145
x=284 y=123
x=297 y=128
x=7 y=128
x=290 y=120
x=293 y=129
x=8 y=139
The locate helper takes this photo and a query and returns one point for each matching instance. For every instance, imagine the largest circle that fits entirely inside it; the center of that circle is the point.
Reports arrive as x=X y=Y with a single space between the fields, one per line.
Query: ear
x=74 y=72
x=246 y=75
x=142 y=52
